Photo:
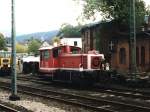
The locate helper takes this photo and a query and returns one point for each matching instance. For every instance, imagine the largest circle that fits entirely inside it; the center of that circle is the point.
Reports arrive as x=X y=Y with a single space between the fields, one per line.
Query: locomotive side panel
x=45 y=59
x=47 y=62
x=72 y=62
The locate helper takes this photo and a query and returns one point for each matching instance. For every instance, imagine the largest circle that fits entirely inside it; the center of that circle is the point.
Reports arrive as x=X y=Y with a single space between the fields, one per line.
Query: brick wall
x=90 y=40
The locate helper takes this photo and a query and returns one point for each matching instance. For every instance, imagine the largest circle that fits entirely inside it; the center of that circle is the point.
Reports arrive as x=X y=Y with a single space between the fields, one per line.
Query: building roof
x=118 y=34
x=48 y=47
x=45 y=44
x=69 y=37
x=95 y=24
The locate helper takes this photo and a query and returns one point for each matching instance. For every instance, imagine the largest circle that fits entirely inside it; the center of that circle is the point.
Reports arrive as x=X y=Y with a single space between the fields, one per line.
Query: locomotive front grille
x=5 y=66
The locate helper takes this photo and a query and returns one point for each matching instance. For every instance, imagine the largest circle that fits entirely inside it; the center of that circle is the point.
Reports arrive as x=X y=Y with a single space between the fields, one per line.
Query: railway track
x=127 y=92
x=96 y=104
x=130 y=93
x=115 y=91
x=31 y=79
x=5 y=108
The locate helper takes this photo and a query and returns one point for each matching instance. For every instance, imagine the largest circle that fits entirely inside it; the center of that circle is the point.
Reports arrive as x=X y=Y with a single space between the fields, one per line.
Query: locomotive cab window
x=74 y=50
x=46 y=54
x=5 y=54
x=56 y=52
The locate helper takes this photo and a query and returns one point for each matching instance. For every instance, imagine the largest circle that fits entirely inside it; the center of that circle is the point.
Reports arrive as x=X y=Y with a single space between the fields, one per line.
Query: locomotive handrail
x=80 y=67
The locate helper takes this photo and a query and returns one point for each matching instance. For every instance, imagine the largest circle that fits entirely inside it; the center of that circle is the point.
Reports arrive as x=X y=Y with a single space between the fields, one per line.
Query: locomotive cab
x=5 y=61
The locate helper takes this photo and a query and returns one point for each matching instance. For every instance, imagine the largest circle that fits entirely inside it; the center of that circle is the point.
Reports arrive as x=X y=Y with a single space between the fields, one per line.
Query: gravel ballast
x=36 y=104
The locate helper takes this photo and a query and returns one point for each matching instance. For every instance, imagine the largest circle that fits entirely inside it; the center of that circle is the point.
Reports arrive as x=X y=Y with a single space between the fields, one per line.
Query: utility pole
x=134 y=70
x=13 y=95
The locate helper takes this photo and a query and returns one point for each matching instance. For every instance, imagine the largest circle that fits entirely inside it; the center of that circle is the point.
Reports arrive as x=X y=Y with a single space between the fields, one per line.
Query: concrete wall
x=70 y=41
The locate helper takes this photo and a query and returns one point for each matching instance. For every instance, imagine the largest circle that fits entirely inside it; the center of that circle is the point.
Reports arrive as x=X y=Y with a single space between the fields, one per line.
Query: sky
x=39 y=15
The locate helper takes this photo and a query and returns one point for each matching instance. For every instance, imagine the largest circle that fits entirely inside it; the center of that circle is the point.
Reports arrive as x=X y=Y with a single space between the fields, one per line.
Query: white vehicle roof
x=31 y=59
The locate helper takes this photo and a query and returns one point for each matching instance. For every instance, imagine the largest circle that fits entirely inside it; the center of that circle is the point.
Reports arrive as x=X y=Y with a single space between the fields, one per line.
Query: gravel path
x=36 y=104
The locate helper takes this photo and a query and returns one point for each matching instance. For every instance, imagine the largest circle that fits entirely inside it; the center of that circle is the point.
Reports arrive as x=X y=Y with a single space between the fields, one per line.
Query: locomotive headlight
x=5 y=61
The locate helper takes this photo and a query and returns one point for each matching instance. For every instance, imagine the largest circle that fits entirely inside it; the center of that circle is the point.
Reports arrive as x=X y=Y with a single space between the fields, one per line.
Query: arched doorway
x=142 y=55
x=122 y=56
x=137 y=56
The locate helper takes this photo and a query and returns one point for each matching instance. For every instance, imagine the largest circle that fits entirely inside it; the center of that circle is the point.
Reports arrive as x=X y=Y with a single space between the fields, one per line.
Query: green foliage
x=56 y=39
x=2 y=42
x=33 y=46
x=148 y=10
x=21 y=48
x=118 y=10
x=69 y=30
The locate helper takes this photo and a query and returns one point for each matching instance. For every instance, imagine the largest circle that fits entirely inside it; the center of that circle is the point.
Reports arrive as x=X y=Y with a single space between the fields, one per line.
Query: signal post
x=13 y=95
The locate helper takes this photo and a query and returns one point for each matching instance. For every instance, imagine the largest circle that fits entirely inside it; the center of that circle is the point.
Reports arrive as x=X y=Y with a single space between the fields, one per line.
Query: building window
x=75 y=43
x=122 y=56
x=142 y=55
x=112 y=46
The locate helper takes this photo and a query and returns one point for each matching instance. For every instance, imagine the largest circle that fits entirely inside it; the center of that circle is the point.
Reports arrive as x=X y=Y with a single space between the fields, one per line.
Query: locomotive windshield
x=5 y=54
x=46 y=54
x=74 y=50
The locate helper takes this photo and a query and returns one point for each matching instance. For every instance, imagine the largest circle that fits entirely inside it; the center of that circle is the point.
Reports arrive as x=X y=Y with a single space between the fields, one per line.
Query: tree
x=21 y=48
x=148 y=10
x=69 y=30
x=2 y=42
x=56 y=40
x=118 y=10
x=33 y=46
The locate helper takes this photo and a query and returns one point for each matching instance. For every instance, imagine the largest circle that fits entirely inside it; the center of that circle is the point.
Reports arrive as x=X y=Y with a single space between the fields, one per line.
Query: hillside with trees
x=33 y=46
x=68 y=30
x=39 y=35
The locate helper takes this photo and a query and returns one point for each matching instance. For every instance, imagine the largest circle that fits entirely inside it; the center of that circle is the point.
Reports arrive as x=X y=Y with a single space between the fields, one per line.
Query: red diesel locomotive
x=67 y=63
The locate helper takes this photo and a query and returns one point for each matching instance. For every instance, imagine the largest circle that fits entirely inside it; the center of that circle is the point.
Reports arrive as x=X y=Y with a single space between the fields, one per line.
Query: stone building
x=115 y=44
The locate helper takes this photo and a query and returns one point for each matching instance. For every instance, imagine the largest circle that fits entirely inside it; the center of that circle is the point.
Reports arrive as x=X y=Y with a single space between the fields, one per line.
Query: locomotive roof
x=48 y=47
x=51 y=47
